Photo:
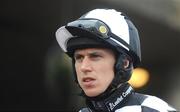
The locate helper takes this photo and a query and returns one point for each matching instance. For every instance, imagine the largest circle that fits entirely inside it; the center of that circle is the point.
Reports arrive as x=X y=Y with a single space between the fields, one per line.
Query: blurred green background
x=36 y=75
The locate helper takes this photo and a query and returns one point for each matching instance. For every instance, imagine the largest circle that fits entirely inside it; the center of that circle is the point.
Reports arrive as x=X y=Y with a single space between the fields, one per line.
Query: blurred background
x=36 y=75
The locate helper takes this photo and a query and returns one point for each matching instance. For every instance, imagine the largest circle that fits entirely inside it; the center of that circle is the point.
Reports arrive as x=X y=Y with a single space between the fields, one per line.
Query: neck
x=109 y=102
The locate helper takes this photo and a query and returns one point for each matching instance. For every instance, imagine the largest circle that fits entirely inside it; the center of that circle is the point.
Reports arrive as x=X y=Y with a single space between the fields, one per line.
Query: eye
x=78 y=58
x=95 y=56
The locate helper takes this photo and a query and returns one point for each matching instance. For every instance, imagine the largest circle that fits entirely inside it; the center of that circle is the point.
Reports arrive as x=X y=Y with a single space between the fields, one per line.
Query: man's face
x=95 y=69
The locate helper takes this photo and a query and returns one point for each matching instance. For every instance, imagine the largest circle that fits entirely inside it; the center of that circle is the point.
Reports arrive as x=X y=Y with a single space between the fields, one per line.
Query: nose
x=86 y=65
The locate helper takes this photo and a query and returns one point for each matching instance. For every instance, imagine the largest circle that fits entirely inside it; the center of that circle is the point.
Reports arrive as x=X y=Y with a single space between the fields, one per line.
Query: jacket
x=125 y=99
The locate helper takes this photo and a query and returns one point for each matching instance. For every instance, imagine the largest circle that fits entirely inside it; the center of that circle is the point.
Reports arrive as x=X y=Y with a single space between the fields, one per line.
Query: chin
x=91 y=93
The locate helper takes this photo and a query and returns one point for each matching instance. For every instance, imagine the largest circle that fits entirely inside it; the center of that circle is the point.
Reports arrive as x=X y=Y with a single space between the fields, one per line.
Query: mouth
x=88 y=81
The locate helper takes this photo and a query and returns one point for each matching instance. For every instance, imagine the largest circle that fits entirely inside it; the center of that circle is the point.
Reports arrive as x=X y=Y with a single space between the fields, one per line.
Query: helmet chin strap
x=123 y=71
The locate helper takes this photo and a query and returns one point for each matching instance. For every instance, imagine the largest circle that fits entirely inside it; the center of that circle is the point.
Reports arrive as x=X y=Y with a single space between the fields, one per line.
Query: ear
x=126 y=63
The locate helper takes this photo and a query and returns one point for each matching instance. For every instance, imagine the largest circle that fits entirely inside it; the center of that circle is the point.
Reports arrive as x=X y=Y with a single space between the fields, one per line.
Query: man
x=104 y=46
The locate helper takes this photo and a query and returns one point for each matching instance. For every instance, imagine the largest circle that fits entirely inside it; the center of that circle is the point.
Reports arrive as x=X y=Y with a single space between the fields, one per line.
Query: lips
x=88 y=81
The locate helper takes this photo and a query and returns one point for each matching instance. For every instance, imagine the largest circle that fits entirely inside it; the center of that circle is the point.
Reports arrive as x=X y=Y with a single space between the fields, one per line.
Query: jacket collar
x=111 y=102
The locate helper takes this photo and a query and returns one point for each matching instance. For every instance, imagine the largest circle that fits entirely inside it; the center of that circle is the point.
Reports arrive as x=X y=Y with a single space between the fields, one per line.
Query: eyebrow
x=90 y=53
x=94 y=53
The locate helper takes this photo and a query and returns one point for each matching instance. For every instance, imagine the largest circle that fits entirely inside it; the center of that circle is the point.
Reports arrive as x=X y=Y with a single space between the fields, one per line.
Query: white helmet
x=106 y=26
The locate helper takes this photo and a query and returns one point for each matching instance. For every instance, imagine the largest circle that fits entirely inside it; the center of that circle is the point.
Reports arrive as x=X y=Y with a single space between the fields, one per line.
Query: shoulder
x=146 y=103
x=157 y=104
x=85 y=110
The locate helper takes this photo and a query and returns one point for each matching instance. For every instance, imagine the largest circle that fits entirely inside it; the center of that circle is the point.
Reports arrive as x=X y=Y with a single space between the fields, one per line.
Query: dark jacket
x=124 y=99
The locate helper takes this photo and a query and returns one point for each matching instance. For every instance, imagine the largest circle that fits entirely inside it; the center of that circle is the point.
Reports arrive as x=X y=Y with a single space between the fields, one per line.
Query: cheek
x=108 y=66
x=110 y=69
x=107 y=72
x=76 y=68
